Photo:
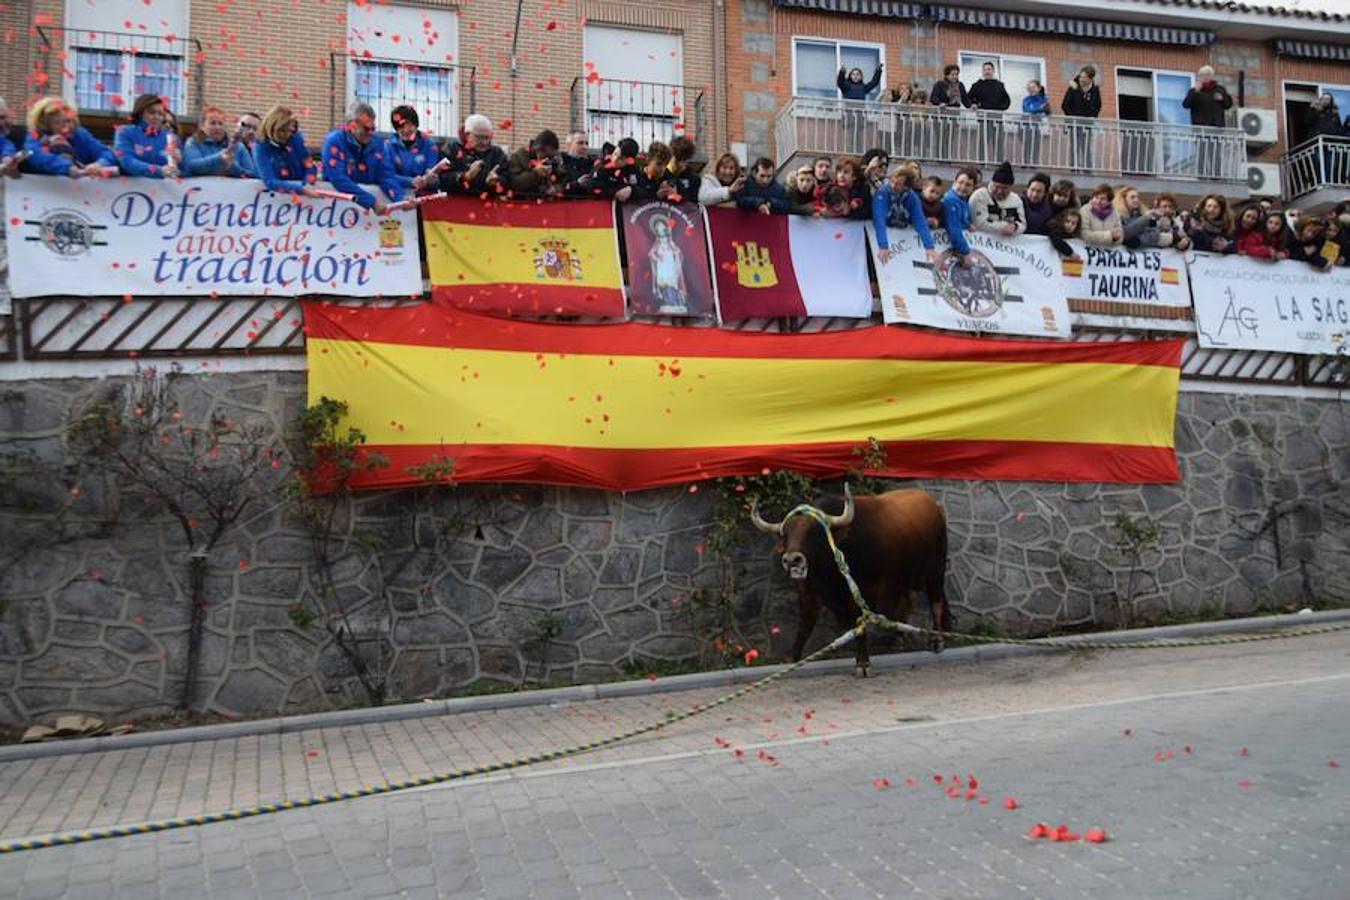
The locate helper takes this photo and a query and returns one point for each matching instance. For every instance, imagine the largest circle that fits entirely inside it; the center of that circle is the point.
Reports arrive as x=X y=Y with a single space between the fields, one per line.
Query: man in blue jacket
x=762 y=191
x=956 y=210
x=896 y=204
x=352 y=157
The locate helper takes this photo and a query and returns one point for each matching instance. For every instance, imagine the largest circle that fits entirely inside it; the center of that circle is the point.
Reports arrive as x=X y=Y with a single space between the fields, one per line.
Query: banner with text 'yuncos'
x=201 y=236
x=1011 y=286
x=1250 y=304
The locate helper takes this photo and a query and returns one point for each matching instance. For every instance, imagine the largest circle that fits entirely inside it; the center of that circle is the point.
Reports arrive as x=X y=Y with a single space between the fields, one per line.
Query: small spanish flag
x=1171 y=276
x=631 y=406
x=524 y=258
x=1072 y=268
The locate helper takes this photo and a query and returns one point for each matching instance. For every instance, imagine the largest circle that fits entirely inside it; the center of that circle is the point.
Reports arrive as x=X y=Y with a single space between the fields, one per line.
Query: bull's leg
x=808 y=610
x=937 y=604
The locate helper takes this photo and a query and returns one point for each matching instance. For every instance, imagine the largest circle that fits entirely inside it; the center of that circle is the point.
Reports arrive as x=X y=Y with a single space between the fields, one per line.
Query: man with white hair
x=352 y=157
x=1208 y=102
x=477 y=166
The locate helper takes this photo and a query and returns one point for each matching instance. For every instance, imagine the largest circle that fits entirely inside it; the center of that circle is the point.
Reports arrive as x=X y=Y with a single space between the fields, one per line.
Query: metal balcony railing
x=609 y=110
x=433 y=90
x=1323 y=162
x=1105 y=148
x=103 y=72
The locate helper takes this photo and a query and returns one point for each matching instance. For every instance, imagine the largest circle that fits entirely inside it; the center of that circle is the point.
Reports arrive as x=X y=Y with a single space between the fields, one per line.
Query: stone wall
x=499 y=584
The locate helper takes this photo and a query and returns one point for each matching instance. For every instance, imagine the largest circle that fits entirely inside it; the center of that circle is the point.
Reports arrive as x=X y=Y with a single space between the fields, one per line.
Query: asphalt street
x=1211 y=773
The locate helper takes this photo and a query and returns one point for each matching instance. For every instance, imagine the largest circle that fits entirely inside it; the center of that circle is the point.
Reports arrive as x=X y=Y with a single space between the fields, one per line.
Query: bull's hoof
x=860 y=671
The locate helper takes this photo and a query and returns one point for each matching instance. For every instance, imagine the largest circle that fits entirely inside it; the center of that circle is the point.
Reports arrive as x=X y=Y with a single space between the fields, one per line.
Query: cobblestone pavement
x=1148 y=745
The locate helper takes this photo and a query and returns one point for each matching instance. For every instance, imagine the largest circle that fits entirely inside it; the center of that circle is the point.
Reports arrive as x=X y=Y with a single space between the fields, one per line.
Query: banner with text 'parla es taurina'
x=201 y=236
x=630 y=406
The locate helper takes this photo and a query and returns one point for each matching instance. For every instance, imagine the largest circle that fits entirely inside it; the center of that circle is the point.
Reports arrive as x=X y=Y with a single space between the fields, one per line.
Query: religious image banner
x=201 y=236
x=1008 y=286
x=524 y=258
x=1252 y=304
x=668 y=273
x=629 y=406
x=768 y=266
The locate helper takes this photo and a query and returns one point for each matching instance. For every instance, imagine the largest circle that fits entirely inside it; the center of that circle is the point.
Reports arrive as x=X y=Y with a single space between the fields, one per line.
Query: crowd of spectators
x=408 y=164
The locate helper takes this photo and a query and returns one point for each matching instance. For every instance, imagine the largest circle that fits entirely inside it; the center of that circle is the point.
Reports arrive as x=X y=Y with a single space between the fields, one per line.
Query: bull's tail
x=937 y=583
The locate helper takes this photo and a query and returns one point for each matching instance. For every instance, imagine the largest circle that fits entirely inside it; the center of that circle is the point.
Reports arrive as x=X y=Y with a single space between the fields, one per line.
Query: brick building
x=754 y=76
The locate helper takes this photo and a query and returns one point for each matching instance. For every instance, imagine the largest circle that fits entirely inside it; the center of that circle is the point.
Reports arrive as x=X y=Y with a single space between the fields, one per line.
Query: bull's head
x=792 y=537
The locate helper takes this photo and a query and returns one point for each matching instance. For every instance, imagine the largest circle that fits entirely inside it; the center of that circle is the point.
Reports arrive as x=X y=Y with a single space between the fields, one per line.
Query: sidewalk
x=117 y=786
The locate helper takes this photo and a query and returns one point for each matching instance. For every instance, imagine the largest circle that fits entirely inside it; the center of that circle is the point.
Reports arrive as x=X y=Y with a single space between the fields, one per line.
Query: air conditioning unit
x=1259 y=125
x=1263 y=179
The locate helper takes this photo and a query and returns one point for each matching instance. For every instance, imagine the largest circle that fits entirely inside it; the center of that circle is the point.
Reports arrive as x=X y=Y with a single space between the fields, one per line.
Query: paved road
x=1147 y=745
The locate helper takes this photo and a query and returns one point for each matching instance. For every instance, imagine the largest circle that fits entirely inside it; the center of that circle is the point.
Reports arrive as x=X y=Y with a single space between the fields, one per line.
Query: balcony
x=103 y=72
x=1149 y=155
x=1316 y=173
x=609 y=110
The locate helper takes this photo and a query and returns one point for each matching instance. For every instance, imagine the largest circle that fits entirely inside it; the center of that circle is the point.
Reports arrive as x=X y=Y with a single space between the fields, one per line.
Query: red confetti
x=1244 y=783
x=1243 y=752
x=311 y=753
x=1010 y=803
x=751 y=655
x=1062 y=833
x=1039 y=830
x=1332 y=764
x=881 y=783
x=1095 y=836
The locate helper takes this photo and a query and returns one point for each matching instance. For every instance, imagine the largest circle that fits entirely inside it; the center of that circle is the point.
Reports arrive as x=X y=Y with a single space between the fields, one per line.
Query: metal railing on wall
x=608 y=110
x=1107 y=148
x=1322 y=162
x=102 y=72
x=63 y=328
x=435 y=91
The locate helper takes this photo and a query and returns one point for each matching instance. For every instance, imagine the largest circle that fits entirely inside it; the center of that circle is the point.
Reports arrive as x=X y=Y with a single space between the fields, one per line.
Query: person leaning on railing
x=57 y=147
x=1101 y=220
x=477 y=165
x=284 y=162
x=681 y=172
x=533 y=171
x=211 y=150
x=1082 y=100
x=142 y=145
x=763 y=192
x=801 y=192
x=352 y=156
x=1145 y=228
x=852 y=180
x=1211 y=225
x=956 y=210
x=995 y=208
x=410 y=153
x=654 y=181
x=723 y=183
x=1036 y=203
x=1209 y=103
x=896 y=204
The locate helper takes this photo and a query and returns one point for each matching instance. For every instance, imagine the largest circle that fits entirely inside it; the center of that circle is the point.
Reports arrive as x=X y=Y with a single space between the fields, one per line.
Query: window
x=1013 y=71
x=633 y=85
x=399 y=55
x=1147 y=95
x=125 y=48
x=816 y=63
x=1298 y=96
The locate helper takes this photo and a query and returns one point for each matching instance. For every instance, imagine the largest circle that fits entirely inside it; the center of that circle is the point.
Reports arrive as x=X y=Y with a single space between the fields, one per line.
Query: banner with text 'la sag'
x=1010 y=286
x=524 y=258
x=631 y=406
x=1251 y=304
x=215 y=236
x=767 y=266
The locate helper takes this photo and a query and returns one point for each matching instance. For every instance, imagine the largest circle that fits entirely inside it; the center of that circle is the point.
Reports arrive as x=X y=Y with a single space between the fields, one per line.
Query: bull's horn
x=758 y=521
x=845 y=517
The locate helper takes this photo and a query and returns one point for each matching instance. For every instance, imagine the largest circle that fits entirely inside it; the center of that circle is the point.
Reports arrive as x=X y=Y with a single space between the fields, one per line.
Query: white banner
x=1250 y=304
x=1013 y=285
x=131 y=236
x=1152 y=277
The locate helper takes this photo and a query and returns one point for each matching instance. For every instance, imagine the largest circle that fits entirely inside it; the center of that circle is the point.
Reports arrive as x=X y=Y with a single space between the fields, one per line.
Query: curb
x=559 y=696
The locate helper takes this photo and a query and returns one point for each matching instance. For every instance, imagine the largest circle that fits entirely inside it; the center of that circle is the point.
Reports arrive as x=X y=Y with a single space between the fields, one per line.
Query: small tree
x=204 y=476
x=1134 y=538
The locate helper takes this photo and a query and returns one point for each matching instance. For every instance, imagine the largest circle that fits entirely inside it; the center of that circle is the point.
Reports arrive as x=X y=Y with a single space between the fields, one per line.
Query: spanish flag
x=524 y=258
x=631 y=406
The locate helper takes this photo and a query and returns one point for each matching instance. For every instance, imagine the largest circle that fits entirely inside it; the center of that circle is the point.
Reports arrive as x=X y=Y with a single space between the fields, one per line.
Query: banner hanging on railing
x=1011 y=286
x=667 y=260
x=1116 y=275
x=203 y=236
x=1248 y=304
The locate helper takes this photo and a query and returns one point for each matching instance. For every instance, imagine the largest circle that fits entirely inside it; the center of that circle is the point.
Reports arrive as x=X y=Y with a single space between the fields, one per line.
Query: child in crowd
x=1063 y=228
x=931 y=199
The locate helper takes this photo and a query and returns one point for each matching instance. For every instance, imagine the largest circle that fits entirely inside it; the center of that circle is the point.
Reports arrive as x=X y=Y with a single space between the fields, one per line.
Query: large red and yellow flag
x=631 y=406
x=524 y=258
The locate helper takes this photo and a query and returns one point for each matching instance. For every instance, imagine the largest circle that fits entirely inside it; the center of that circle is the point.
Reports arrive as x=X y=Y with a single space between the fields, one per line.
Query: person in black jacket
x=1082 y=100
x=1324 y=120
x=949 y=95
x=990 y=96
x=762 y=192
x=1208 y=101
x=851 y=84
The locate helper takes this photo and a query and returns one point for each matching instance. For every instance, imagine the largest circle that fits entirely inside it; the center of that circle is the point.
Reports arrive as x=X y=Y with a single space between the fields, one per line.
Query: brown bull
x=895 y=544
